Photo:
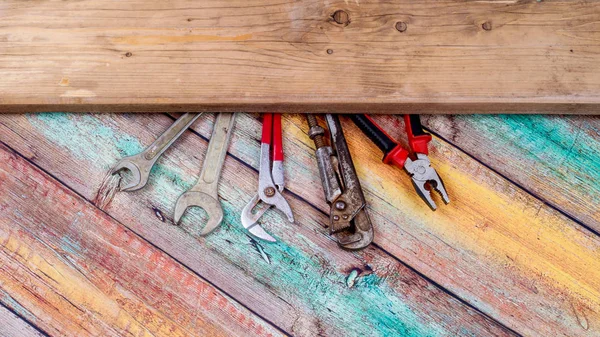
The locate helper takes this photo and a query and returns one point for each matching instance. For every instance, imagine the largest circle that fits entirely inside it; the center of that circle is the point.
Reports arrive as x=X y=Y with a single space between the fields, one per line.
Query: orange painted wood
x=305 y=284
x=257 y=55
x=76 y=271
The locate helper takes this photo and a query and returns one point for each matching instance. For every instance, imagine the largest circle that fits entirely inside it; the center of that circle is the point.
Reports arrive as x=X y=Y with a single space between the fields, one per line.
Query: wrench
x=140 y=164
x=204 y=193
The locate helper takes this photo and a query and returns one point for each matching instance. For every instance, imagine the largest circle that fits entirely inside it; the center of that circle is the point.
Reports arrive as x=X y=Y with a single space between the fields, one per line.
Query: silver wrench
x=205 y=193
x=140 y=164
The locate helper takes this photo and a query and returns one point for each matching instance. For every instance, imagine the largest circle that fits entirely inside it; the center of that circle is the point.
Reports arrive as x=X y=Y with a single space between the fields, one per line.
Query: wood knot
x=401 y=26
x=341 y=17
x=487 y=25
x=128 y=54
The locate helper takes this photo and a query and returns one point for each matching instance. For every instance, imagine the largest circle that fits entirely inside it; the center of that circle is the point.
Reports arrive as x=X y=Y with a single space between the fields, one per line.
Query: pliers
x=270 y=181
x=418 y=167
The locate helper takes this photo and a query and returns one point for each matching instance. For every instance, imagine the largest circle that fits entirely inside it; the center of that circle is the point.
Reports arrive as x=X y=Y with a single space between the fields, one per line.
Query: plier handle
x=418 y=167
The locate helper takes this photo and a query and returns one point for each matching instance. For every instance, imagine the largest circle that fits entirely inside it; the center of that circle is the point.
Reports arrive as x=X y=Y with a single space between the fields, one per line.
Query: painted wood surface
x=13 y=326
x=306 y=285
x=496 y=247
x=74 y=271
x=557 y=158
x=257 y=55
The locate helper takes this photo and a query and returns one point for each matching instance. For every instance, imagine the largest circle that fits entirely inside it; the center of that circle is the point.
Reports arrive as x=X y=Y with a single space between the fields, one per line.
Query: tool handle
x=167 y=138
x=277 y=138
x=393 y=153
x=267 y=128
x=375 y=133
x=418 y=139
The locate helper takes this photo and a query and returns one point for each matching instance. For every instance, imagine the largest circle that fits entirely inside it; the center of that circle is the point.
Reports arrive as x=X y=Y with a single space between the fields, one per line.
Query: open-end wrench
x=204 y=193
x=140 y=164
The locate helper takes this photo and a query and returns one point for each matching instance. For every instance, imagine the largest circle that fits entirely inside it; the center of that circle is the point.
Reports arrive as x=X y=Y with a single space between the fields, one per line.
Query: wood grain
x=13 y=326
x=304 y=284
x=76 y=272
x=256 y=55
x=555 y=157
x=495 y=245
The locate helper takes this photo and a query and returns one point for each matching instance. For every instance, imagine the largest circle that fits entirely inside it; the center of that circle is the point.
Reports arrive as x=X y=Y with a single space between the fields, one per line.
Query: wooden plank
x=555 y=157
x=477 y=246
x=305 y=284
x=215 y=55
x=77 y=272
x=13 y=326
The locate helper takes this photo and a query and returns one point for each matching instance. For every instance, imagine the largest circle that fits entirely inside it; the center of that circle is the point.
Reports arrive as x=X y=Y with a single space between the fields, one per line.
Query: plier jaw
x=424 y=176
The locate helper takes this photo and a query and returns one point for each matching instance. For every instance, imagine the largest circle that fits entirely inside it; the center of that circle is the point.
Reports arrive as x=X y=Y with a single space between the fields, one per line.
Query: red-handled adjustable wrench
x=419 y=168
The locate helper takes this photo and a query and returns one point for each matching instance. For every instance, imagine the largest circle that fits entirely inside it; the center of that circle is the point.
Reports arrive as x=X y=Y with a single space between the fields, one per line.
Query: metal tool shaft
x=168 y=137
x=215 y=155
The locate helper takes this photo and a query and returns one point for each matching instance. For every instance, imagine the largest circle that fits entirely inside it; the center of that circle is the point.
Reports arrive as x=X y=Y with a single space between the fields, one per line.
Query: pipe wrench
x=348 y=218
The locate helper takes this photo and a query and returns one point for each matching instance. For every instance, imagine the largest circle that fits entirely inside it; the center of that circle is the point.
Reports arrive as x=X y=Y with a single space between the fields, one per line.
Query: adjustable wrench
x=204 y=193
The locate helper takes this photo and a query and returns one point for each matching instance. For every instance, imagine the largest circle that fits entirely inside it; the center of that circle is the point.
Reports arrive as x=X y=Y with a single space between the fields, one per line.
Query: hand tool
x=420 y=170
x=140 y=164
x=204 y=193
x=348 y=218
x=270 y=182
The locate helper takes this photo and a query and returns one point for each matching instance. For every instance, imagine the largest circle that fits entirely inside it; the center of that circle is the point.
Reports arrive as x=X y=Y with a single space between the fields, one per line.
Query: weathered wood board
x=374 y=56
x=13 y=326
x=501 y=259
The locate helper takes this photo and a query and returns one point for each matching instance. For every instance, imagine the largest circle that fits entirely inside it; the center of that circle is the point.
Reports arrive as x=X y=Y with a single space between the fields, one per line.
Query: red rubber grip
x=418 y=140
x=396 y=157
x=277 y=138
x=267 y=128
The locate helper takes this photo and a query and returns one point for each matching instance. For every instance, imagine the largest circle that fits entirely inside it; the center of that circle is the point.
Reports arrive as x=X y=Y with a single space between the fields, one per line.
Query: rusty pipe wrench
x=205 y=193
x=140 y=164
x=348 y=218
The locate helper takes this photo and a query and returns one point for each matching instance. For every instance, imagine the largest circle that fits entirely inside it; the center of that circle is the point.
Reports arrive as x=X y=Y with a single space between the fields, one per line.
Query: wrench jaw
x=137 y=181
x=209 y=203
x=361 y=237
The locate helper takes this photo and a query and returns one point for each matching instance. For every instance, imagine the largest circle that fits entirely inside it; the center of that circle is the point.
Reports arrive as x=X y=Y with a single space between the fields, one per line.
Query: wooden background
x=381 y=56
x=517 y=252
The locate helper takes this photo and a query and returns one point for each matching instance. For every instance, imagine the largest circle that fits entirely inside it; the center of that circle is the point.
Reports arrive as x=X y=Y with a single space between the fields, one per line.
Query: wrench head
x=137 y=180
x=250 y=219
x=209 y=203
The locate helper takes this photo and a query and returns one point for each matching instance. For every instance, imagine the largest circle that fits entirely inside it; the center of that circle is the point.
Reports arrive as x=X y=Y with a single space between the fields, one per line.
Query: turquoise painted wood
x=304 y=284
x=557 y=158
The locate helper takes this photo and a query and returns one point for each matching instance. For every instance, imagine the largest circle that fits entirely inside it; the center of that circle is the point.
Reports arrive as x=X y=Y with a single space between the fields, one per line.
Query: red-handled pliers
x=270 y=180
x=419 y=167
